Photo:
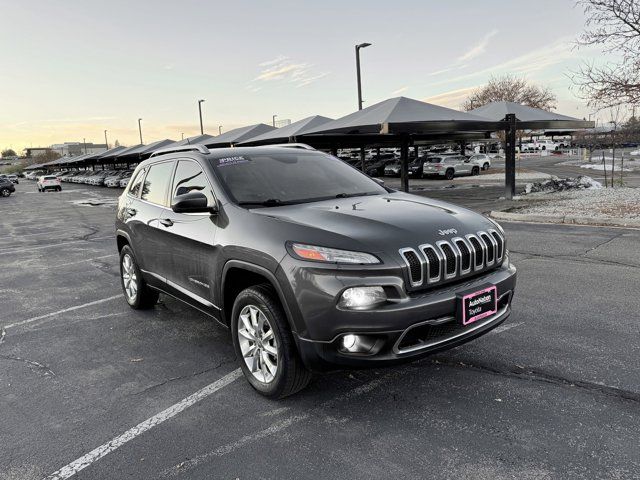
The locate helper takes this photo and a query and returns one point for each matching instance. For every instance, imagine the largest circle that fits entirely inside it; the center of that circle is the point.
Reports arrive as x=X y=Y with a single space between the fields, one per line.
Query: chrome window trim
x=431 y=279
x=402 y=251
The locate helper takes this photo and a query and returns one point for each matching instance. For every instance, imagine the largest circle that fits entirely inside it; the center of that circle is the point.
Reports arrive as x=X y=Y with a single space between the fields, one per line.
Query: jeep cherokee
x=311 y=264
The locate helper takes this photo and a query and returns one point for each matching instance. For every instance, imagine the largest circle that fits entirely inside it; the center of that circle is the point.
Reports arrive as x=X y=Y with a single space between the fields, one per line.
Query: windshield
x=291 y=177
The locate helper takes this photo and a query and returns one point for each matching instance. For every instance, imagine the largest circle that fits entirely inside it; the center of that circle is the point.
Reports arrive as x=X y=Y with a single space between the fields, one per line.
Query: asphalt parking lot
x=552 y=393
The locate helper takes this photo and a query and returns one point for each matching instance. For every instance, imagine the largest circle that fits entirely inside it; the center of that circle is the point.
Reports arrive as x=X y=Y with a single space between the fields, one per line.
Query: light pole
x=140 y=129
x=106 y=144
x=219 y=129
x=84 y=141
x=273 y=120
x=200 y=111
x=358 y=47
x=182 y=135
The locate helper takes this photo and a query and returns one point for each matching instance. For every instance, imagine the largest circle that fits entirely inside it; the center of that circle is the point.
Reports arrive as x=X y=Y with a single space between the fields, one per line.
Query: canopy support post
x=510 y=157
x=362 y=158
x=404 y=165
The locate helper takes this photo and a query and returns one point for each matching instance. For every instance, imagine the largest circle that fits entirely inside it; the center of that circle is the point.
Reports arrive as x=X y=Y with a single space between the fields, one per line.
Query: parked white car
x=449 y=167
x=482 y=160
x=49 y=182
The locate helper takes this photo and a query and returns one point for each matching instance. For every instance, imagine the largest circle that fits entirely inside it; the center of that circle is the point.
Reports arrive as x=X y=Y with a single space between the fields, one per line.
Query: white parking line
x=82 y=261
x=99 y=452
x=10 y=251
x=70 y=309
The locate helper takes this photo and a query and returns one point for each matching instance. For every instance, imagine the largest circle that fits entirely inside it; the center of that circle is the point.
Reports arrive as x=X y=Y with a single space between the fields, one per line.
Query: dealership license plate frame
x=464 y=298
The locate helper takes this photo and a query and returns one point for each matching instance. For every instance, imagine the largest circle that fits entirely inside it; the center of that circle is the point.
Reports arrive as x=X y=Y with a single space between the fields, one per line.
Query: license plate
x=477 y=305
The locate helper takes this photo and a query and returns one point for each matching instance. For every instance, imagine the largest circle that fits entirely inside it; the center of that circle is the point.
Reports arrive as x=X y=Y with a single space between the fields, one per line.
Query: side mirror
x=193 y=202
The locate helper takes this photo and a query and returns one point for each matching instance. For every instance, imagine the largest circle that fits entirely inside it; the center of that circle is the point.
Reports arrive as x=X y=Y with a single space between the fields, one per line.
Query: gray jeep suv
x=311 y=264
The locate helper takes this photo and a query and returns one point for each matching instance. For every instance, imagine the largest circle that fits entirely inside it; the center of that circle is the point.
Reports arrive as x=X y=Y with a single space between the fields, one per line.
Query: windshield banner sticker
x=223 y=162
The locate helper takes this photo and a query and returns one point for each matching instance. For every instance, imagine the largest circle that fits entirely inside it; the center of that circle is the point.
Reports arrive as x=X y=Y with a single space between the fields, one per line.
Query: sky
x=72 y=68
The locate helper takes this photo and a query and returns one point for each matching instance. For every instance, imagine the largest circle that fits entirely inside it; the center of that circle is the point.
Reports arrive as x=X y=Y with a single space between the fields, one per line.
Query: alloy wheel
x=129 y=278
x=258 y=343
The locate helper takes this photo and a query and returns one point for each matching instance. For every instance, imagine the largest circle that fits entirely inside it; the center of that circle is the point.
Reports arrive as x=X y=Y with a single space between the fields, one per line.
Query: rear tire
x=475 y=171
x=449 y=174
x=5 y=192
x=137 y=293
x=262 y=339
x=485 y=166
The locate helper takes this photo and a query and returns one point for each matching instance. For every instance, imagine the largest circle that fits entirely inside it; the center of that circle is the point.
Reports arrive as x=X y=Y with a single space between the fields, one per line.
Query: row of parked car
x=107 y=178
x=427 y=166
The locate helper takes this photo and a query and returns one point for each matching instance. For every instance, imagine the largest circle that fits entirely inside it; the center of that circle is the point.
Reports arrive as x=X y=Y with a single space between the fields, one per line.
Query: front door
x=191 y=239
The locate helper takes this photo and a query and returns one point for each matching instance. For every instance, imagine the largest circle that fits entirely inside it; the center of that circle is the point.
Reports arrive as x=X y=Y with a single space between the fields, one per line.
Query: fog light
x=362 y=297
x=351 y=343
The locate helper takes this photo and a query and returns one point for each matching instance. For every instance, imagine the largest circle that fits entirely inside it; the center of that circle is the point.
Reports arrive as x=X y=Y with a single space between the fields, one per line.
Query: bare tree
x=614 y=26
x=511 y=89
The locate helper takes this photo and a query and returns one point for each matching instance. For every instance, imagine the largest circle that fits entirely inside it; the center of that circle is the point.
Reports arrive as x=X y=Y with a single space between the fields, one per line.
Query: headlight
x=332 y=255
x=362 y=297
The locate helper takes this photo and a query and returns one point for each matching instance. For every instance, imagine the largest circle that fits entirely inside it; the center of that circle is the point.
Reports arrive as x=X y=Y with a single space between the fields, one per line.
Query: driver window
x=189 y=177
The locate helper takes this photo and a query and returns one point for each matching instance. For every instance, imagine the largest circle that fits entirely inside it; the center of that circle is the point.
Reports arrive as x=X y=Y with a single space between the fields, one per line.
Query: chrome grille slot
x=499 y=245
x=414 y=262
x=450 y=259
x=465 y=255
x=490 y=257
x=478 y=251
x=434 y=268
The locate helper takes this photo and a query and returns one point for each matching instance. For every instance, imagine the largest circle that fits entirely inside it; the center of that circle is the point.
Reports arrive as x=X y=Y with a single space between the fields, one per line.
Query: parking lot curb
x=567 y=219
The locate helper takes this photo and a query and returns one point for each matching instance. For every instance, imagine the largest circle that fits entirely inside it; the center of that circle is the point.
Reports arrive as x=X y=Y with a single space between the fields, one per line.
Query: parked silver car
x=449 y=167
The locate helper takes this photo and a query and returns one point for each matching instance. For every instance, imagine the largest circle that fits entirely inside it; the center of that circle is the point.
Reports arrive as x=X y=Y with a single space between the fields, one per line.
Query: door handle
x=167 y=222
x=131 y=211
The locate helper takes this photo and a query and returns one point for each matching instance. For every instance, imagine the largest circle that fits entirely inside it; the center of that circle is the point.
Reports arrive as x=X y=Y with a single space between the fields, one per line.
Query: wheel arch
x=238 y=275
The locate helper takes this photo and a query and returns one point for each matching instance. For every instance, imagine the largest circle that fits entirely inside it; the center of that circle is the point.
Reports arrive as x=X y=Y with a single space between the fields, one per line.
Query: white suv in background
x=449 y=166
x=49 y=182
x=482 y=160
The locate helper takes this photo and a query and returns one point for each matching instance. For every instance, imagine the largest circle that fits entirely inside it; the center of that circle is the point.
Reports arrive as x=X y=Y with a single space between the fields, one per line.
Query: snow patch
x=555 y=184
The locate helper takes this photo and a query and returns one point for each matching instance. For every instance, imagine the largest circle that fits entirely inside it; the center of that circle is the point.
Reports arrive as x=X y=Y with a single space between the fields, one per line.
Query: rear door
x=147 y=200
x=191 y=240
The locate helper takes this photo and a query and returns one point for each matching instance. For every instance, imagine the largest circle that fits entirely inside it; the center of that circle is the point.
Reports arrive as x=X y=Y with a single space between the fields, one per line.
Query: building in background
x=72 y=149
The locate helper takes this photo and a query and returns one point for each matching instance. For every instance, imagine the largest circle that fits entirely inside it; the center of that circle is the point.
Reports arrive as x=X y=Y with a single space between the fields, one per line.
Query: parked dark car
x=311 y=264
x=376 y=168
x=6 y=187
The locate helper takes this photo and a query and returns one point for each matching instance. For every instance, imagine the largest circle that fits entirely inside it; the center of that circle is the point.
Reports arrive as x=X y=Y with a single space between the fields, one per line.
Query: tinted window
x=291 y=177
x=134 y=187
x=189 y=177
x=156 y=182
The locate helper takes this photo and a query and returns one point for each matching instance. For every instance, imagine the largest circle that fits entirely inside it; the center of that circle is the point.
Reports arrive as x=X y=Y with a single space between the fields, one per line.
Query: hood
x=382 y=223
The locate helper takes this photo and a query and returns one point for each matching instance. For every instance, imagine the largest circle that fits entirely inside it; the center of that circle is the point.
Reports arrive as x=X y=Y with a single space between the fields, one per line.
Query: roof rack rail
x=183 y=148
x=302 y=146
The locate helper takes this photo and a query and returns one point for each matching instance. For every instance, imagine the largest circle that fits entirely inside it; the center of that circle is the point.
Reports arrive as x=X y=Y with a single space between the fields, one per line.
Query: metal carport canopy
x=289 y=132
x=238 y=135
x=400 y=121
x=521 y=117
x=136 y=154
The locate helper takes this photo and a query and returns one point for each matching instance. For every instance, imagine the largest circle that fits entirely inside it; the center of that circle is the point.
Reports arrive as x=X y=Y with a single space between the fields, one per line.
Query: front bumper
x=417 y=325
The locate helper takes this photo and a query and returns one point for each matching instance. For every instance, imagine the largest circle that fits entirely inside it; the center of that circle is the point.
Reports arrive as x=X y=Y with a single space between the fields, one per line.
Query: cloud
x=479 y=48
x=284 y=69
x=399 y=91
x=452 y=98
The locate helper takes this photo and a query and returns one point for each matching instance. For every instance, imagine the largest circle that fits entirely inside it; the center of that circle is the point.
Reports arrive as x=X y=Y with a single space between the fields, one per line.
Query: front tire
x=5 y=192
x=485 y=166
x=264 y=343
x=475 y=171
x=449 y=174
x=136 y=291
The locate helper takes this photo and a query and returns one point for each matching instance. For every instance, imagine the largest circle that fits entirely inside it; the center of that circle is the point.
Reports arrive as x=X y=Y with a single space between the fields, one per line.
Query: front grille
x=465 y=255
x=447 y=260
x=489 y=244
x=433 y=262
x=415 y=266
x=450 y=258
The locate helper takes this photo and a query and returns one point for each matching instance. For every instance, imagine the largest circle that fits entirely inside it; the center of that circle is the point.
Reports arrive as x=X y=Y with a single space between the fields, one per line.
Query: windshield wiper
x=271 y=202
x=361 y=194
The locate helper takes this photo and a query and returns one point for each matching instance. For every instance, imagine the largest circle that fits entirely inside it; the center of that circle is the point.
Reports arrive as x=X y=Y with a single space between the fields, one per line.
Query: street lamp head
x=363 y=45
x=200 y=101
x=139 y=119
